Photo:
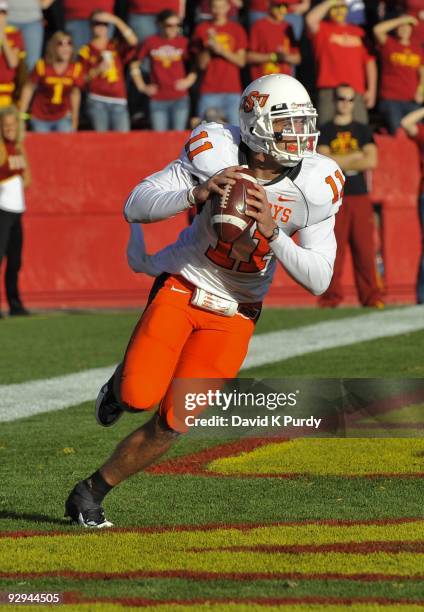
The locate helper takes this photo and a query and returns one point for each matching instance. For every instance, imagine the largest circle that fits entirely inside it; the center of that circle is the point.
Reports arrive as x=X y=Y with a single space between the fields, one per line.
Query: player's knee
x=139 y=397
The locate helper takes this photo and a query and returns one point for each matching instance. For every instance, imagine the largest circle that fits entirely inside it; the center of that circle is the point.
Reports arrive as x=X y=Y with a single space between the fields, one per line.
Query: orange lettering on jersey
x=337 y=195
x=277 y=210
x=285 y=215
x=204 y=147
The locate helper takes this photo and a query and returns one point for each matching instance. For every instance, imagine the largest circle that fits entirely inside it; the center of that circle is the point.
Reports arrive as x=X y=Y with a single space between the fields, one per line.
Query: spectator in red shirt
x=258 y=9
x=272 y=48
x=203 y=10
x=142 y=15
x=104 y=60
x=220 y=46
x=402 y=70
x=341 y=57
x=54 y=88
x=168 y=89
x=12 y=53
x=413 y=124
x=77 y=18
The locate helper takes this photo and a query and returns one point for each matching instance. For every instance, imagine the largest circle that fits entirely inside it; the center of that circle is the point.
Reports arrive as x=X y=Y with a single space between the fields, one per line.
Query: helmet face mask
x=277 y=118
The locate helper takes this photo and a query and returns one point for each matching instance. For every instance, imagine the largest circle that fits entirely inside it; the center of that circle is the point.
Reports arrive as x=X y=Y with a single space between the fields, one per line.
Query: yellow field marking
x=122 y=552
x=328 y=457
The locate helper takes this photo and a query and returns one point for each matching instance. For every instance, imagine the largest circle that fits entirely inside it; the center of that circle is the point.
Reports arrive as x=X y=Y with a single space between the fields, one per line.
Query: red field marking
x=213 y=576
x=211 y=527
x=196 y=464
x=268 y=601
x=361 y=548
x=387 y=404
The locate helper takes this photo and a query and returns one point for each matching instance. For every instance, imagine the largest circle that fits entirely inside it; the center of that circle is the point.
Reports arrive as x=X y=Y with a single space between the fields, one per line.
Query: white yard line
x=280 y=345
x=35 y=397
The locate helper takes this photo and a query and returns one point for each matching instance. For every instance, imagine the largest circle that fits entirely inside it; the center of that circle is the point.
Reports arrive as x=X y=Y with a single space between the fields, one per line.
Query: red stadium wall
x=75 y=235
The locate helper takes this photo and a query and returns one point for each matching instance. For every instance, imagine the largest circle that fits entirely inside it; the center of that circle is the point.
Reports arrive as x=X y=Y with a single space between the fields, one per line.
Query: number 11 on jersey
x=222 y=255
x=337 y=192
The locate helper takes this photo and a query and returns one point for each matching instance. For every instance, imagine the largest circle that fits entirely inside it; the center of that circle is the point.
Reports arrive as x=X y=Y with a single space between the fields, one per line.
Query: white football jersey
x=305 y=201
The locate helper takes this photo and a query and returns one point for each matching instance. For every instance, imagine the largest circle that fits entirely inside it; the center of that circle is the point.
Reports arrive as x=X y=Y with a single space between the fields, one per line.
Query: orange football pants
x=175 y=340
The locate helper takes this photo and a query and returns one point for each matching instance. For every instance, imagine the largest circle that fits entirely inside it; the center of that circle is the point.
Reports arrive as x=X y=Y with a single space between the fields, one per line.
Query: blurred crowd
x=167 y=64
x=170 y=64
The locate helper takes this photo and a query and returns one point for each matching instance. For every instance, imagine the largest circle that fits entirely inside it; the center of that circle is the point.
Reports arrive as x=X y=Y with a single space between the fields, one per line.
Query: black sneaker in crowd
x=108 y=409
x=82 y=509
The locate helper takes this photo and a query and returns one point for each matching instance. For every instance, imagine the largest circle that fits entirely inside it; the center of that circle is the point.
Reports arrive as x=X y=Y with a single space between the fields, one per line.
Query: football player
x=207 y=295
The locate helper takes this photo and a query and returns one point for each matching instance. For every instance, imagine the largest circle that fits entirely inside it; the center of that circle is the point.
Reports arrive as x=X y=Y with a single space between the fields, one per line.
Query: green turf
x=48 y=465
x=397 y=357
x=43 y=456
x=53 y=344
x=161 y=588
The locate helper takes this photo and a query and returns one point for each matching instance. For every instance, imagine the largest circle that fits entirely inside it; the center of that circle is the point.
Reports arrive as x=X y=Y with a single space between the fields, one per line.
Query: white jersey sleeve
x=311 y=262
x=160 y=196
x=164 y=194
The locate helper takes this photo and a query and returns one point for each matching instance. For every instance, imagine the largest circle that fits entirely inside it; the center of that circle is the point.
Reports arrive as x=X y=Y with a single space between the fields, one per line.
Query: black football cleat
x=84 y=510
x=108 y=409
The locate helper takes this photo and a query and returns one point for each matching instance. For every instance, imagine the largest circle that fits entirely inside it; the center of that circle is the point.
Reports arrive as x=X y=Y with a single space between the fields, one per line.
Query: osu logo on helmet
x=248 y=101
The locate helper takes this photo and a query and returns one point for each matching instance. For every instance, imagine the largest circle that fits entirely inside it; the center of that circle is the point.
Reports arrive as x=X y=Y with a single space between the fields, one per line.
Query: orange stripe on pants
x=173 y=340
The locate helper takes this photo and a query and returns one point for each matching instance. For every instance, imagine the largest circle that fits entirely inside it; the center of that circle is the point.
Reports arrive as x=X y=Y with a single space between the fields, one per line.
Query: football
x=228 y=212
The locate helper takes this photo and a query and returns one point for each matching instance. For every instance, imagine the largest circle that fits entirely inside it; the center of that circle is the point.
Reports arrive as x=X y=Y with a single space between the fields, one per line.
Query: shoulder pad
x=210 y=148
x=321 y=182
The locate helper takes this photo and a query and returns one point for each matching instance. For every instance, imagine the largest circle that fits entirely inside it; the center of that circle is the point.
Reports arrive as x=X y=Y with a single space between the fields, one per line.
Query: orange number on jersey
x=337 y=195
x=57 y=93
x=221 y=255
x=204 y=147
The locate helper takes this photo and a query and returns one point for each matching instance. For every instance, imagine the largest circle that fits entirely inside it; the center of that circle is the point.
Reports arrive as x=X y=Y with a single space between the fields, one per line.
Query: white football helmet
x=278 y=96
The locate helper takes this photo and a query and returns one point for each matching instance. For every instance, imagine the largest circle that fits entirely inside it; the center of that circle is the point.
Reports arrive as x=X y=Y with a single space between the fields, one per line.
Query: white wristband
x=190 y=197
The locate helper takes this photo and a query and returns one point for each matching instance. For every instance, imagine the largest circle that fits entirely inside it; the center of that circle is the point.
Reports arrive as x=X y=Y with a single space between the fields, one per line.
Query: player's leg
x=109 y=406
x=363 y=252
x=149 y=364
x=334 y=294
x=215 y=351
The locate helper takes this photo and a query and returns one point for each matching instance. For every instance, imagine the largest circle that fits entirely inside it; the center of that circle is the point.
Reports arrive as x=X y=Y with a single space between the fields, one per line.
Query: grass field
x=216 y=525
